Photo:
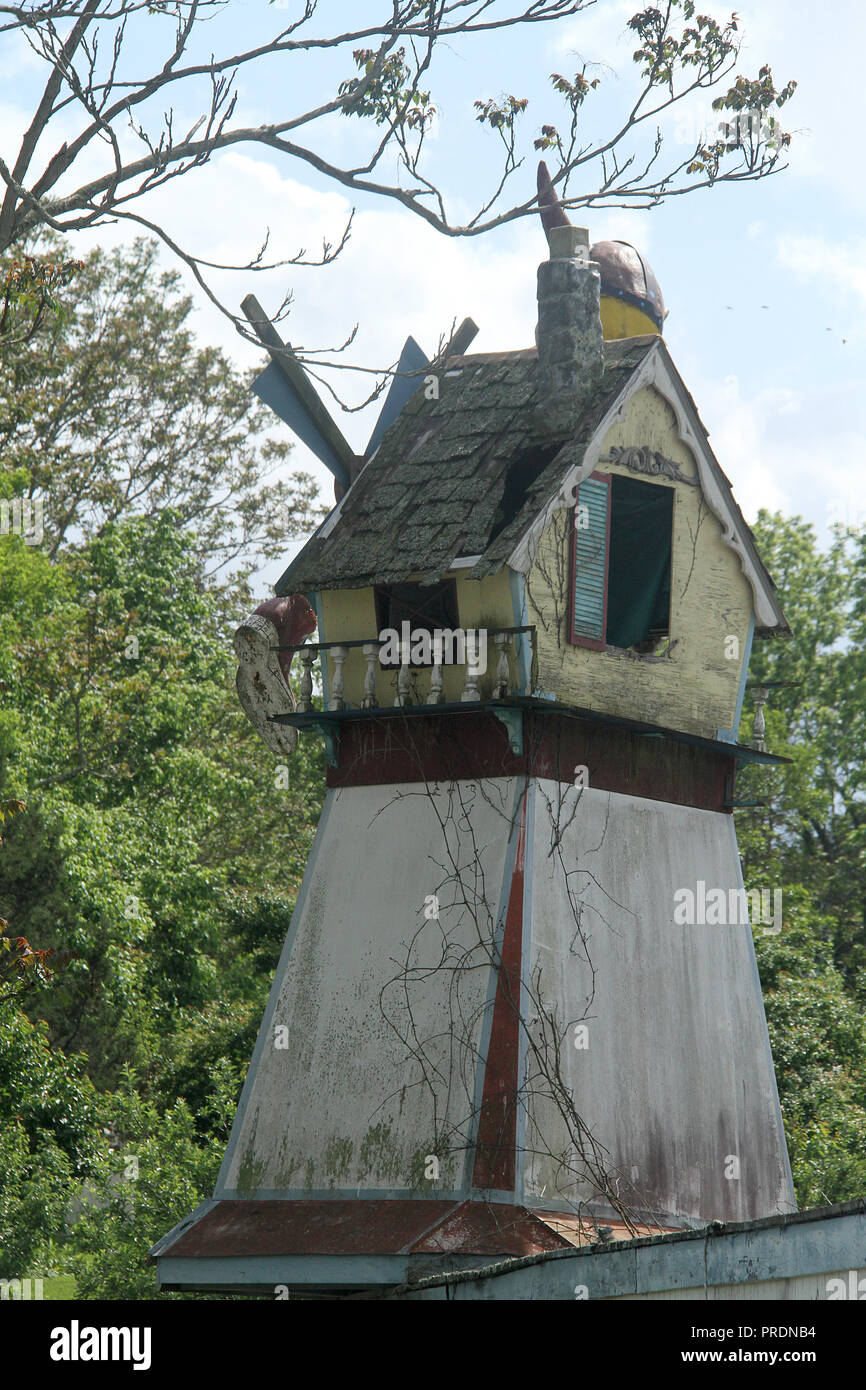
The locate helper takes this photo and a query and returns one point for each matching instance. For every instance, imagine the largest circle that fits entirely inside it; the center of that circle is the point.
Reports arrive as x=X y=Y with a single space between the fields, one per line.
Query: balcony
x=449 y=681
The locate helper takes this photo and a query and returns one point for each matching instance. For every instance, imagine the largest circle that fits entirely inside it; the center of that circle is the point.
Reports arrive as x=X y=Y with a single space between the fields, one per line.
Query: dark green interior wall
x=639 y=575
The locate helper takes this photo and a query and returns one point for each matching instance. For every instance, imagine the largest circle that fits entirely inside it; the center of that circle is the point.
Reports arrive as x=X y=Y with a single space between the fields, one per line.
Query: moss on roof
x=462 y=475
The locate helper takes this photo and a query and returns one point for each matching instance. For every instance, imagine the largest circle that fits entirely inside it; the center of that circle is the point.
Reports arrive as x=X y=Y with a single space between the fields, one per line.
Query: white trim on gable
x=657 y=370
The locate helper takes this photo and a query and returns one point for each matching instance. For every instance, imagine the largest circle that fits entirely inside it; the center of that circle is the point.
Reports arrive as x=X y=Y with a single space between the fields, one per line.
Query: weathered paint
x=516 y=845
x=345 y=1078
x=378 y=1227
x=269 y=1273
x=695 y=687
x=265 y=1033
x=352 y=1243
x=677 y=1027
x=677 y=1076
x=312 y=1227
x=495 y=1139
x=622 y=320
x=813 y=1255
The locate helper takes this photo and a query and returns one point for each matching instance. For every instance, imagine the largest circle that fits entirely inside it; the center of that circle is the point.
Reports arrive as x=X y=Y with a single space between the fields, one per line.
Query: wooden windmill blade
x=286 y=388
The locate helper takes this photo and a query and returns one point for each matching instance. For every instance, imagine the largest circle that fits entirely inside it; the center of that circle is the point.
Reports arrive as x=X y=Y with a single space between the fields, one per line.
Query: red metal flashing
x=497 y=1125
x=300 y=1226
x=490 y=1228
x=350 y=1226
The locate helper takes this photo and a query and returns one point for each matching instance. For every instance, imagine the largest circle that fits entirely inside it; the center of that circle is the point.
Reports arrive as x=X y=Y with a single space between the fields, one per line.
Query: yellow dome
x=631 y=298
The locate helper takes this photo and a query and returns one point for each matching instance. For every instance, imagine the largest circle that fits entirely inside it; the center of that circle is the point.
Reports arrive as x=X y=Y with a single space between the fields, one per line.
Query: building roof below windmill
x=461 y=475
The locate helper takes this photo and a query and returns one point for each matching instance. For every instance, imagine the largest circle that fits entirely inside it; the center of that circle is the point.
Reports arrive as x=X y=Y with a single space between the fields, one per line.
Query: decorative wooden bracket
x=331 y=734
x=512 y=720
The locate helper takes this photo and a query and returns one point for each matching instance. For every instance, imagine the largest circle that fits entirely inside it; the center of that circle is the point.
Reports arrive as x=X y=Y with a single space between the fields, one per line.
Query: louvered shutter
x=590 y=567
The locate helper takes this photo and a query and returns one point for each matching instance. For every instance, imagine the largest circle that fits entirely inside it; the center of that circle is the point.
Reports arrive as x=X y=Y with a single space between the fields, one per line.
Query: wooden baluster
x=403 y=681
x=759 y=728
x=305 y=700
x=503 y=669
x=473 y=669
x=470 y=689
x=370 y=650
x=436 y=677
x=338 y=656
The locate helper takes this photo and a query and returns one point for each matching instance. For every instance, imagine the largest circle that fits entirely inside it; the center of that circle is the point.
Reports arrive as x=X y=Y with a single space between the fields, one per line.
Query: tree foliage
x=809 y=839
x=151 y=849
x=177 y=428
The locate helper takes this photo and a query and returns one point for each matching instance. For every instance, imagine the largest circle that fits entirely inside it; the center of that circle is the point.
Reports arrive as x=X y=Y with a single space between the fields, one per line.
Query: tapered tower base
x=491 y=1033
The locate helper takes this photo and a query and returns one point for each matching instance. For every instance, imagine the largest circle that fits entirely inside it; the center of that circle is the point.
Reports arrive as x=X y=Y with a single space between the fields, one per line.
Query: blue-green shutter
x=589 y=595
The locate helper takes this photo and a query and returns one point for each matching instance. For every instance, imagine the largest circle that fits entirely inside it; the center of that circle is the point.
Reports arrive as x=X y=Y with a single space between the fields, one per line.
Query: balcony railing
x=510 y=662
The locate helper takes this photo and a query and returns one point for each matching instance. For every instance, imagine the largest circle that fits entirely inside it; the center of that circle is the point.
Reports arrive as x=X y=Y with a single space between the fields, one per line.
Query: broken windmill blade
x=553 y=214
x=287 y=389
x=456 y=347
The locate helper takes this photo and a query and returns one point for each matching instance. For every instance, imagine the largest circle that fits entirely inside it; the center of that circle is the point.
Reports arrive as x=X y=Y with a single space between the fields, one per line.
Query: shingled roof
x=464 y=475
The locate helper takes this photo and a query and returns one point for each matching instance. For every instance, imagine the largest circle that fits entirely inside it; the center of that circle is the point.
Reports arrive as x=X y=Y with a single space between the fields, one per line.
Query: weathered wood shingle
x=433 y=489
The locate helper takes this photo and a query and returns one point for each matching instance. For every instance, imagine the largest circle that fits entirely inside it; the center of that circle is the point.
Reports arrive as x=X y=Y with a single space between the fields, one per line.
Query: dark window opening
x=520 y=475
x=424 y=607
x=639 y=574
x=621 y=563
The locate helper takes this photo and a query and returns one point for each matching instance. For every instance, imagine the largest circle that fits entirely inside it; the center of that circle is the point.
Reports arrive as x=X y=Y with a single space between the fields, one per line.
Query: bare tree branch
x=90 y=49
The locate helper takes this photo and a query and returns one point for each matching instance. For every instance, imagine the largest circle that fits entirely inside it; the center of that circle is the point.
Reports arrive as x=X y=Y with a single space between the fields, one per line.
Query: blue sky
x=779 y=390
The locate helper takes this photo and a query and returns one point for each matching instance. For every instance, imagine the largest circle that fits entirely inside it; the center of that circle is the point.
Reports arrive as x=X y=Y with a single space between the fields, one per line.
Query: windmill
x=518 y=1008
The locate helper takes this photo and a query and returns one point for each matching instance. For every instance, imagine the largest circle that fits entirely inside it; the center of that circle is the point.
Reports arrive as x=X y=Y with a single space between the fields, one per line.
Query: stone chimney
x=569 y=337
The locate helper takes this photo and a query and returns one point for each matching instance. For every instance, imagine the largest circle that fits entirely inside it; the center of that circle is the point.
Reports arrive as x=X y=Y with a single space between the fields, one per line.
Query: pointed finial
x=552 y=212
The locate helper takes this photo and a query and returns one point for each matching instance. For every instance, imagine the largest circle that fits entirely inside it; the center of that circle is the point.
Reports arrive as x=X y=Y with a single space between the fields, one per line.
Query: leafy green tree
x=808 y=839
x=152 y=808
x=138 y=1192
x=812 y=830
x=34 y=1192
x=50 y=1137
x=818 y=1036
x=207 y=1043
x=30 y=290
x=151 y=847
x=111 y=409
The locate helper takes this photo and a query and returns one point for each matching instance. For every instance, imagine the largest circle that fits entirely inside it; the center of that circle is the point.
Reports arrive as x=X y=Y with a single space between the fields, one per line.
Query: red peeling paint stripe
x=497 y=1125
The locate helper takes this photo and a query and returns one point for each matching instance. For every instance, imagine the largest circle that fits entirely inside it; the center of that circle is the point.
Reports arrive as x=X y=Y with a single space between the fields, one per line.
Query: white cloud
x=823 y=52
x=791 y=451
x=17 y=57
x=598 y=35
x=742 y=436
x=815 y=257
